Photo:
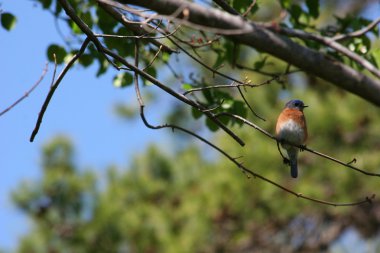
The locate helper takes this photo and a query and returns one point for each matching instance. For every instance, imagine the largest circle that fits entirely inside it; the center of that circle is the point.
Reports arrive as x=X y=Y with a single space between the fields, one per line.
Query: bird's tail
x=293 y=154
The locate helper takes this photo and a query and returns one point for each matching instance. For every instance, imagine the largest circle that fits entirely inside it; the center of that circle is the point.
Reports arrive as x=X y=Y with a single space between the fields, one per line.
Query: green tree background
x=193 y=200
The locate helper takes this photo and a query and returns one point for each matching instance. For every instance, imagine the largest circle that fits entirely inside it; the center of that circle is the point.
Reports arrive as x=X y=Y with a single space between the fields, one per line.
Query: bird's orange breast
x=296 y=116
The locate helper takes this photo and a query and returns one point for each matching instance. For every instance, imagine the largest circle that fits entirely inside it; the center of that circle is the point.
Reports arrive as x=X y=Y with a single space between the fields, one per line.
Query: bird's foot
x=286 y=161
x=302 y=148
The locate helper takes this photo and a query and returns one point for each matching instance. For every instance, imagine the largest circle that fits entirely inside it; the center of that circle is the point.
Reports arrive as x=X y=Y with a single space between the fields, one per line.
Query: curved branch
x=54 y=86
x=302 y=147
x=358 y=33
x=267 y=41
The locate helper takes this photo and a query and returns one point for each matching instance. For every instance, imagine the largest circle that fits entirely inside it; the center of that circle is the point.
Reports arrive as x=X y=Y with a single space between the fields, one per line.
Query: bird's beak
x=305 y=106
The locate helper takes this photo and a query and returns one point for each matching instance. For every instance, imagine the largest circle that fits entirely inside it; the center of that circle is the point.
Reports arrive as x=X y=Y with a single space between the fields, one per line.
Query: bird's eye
x=297 y=104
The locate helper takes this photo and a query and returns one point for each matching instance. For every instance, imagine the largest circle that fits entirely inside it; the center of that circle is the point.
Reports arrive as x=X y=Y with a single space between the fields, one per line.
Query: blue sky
x=82 y=108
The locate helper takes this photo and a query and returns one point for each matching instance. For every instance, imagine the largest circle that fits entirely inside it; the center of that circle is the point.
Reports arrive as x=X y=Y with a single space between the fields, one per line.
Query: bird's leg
x=302 y=148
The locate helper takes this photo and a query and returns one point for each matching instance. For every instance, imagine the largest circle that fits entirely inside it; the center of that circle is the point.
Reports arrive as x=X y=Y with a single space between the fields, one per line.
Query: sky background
x=82 y=108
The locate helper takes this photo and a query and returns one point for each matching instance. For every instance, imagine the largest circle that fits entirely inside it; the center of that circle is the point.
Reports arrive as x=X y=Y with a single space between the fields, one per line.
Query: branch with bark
x=272 y=42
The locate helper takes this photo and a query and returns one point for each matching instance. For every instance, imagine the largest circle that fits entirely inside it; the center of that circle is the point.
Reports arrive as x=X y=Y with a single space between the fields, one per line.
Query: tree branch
x=136 y=28
x=357 y=33
x=330 y=43
x=302 y=147
x=267 y=41
x=54 y=86
x=26 y=94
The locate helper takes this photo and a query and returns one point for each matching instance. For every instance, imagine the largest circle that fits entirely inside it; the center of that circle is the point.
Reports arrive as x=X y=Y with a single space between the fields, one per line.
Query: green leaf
x=105 y=22
x=123 y=80
x=45 y=3
x=74 y=27
x=86 y=60
x=285 y=3
x=103 y=66
x=165 y=57
x=313 y=7
x=260 y=64
x=211 y=125
x=239 y=108
x=242 y=6
x=375 y=57
x=59 y=52
x=187 y=86
x=196 y=113
x=8 y=21
x=295 y=11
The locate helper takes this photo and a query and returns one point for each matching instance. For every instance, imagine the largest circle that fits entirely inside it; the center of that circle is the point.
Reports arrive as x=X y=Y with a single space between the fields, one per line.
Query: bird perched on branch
x=291 y=128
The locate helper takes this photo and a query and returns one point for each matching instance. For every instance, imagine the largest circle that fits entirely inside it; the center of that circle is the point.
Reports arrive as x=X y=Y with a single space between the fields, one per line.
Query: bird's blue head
x=295 y=104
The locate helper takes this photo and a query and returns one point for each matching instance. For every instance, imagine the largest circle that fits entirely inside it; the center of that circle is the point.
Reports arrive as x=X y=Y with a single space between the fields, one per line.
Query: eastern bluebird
x=291 y=127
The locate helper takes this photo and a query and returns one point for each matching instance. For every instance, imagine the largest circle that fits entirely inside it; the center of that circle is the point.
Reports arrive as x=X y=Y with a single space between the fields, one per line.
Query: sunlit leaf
x=122 y=80
x=187 y=86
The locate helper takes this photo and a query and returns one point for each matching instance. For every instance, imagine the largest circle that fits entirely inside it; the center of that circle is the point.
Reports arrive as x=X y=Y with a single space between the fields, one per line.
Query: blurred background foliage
x=189 y=199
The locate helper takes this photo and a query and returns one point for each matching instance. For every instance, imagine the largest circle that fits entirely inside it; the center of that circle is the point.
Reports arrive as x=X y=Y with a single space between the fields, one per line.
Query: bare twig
x=272 y=74
x=249 y=8
x=140 y=31
x=180 y=15
x=330 y=43
x=154 y=58
x=223 y=86
x=358 y=33
x=26 y=94
x=249 y=106
x=55 y=70
x=55 y=86
x=345 y=164
x=225 y=6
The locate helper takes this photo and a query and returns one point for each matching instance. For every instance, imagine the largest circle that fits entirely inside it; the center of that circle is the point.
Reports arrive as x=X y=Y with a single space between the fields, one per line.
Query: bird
x=291 y=128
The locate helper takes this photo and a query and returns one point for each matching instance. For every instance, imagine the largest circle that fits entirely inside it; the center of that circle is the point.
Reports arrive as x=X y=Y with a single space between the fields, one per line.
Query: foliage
x=8 y=20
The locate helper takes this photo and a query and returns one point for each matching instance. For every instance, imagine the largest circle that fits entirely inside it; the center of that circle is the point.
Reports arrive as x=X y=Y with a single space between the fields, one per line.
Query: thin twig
x=26 y=94
x=249 y=106
x=180 y=16
x=271 y=74
x=154 y=58
x=135 y=28
x=302 y=147
x=55 y=70
x=249 y=8
x=232 y=85
x=328 y=42
x=55 y=86
x=225 y=6
x=358 y=33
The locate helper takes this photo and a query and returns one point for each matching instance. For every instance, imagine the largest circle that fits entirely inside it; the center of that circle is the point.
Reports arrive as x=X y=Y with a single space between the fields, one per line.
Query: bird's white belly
x=292 y=132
